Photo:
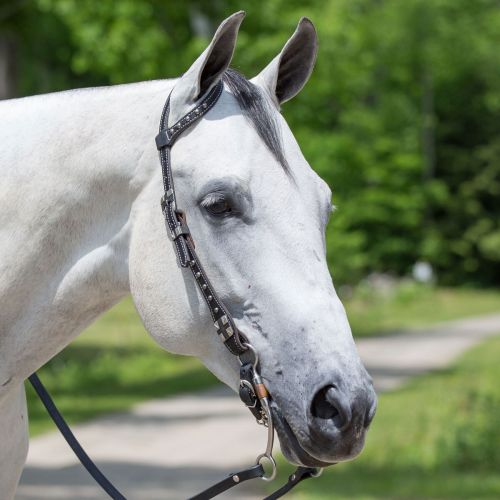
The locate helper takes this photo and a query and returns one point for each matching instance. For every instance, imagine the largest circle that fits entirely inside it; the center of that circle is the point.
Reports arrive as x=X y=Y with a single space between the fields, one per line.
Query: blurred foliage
x=474 y=439
x=400 y=116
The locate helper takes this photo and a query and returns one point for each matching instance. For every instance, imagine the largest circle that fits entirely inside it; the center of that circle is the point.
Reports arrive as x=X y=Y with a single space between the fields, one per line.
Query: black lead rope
x=70 y=438
x=256 y=471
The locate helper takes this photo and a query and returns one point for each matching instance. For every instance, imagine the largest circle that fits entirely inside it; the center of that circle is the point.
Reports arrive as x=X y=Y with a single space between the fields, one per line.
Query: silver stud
x=236 y=479
x=205 y=105
x=216 y=310
x=197 y=275
x=210 y=298
x=204 y=286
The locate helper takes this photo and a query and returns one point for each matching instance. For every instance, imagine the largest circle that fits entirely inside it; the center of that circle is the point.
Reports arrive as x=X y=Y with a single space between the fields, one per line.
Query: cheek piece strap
x=252 y=389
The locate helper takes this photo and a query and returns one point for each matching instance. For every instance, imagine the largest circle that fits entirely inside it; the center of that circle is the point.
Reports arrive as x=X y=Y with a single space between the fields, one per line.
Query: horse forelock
x=256 y=108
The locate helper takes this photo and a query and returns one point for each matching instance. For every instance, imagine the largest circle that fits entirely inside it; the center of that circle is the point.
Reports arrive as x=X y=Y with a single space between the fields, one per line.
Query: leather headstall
x=180 y=234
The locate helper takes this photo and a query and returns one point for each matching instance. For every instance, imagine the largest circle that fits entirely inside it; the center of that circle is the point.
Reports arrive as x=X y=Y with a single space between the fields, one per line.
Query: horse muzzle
x=330 y=427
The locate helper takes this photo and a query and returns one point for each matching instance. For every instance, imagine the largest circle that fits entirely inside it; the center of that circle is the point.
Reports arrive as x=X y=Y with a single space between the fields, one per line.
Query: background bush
x=473 y=439
x=400 y=116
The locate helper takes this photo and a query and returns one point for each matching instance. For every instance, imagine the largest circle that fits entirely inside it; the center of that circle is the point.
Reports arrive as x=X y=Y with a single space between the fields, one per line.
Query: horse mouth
x=290 y=446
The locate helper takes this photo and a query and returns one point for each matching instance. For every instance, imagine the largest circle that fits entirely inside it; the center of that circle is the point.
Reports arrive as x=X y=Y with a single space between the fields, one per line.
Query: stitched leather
x=247 y=391
x=232 y=480
x=176 y=225
x=300 y=474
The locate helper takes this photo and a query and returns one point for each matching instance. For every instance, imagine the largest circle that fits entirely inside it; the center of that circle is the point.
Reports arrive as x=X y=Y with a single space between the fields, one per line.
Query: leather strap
x=247 y=391
x=177 y=227
x=232 y=480
x=70 y=438
x=164 y=141
x=294 y=479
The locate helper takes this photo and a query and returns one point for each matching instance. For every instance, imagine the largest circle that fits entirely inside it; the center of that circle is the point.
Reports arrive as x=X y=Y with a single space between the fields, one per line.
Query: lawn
x=115 y=364
x=438 y=437
x=111 y=366
x=409 y=305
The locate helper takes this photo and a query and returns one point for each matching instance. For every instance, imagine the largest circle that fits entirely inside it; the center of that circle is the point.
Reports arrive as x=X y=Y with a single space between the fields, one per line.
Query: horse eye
x=219 y=208
x=216 y=204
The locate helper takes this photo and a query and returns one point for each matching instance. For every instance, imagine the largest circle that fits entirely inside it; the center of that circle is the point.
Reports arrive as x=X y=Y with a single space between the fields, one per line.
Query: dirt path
x=169 y=449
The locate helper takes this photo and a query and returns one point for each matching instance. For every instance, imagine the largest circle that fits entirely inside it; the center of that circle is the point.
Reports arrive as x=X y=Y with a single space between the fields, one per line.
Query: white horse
x=81 y=227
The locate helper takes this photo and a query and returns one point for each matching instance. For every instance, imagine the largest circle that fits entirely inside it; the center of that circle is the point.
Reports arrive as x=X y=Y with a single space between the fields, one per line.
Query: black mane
x=255 y=107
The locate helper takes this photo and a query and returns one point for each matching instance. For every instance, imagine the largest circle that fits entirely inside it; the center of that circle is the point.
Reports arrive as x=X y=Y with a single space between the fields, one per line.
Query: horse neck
x=87 y=158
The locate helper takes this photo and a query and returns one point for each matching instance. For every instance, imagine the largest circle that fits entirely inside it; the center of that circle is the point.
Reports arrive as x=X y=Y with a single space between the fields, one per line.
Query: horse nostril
x=322 y=407
x=329 y=404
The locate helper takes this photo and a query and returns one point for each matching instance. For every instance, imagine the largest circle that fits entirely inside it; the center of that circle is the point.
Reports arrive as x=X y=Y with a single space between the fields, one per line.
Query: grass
x=114 y=363
x=438 y=437
x=111 y=366
x=410 y=306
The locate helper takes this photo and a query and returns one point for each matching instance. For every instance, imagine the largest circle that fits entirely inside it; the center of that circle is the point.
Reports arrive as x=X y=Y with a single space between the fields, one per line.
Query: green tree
x=400 y=116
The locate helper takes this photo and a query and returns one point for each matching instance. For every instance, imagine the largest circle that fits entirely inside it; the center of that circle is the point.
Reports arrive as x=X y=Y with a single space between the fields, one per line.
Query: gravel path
x=169 y=449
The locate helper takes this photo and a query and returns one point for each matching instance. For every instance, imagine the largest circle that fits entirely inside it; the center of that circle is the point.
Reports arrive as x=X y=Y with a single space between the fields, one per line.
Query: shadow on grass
x=135 y=480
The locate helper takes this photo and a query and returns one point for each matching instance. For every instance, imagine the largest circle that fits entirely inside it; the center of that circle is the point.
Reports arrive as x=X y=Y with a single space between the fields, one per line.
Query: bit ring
x=251 y=348
x=319 y=471
x=273 y=465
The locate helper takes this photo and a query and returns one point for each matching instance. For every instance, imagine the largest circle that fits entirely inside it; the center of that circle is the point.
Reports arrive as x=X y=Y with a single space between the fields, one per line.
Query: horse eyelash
x=212 y=199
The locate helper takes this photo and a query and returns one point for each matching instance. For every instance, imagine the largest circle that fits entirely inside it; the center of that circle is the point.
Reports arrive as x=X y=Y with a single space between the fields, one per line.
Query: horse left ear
x=207 y=70
x=288 y=72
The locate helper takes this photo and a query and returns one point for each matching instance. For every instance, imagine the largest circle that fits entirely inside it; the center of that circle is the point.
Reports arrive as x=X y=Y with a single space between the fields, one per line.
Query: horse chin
x=290 y=446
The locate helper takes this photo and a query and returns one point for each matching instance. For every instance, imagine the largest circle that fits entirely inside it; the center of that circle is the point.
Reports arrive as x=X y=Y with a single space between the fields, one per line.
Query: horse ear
x=207 y=70
x=288 y=72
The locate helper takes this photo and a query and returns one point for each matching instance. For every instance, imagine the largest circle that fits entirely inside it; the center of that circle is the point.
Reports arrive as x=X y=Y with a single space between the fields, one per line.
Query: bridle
x=252 y=389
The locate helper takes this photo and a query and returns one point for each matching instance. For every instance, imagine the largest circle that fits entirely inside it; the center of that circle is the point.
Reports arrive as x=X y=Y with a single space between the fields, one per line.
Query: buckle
x=167 y=197
x=164 y=139
x=179 y=230
x=247 y=394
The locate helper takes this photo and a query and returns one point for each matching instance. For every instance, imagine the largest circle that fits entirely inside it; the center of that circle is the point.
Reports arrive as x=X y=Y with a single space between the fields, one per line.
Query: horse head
x=258 y=214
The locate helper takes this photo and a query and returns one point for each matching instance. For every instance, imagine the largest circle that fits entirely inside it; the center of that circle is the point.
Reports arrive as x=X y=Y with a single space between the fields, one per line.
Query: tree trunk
x=7 y=68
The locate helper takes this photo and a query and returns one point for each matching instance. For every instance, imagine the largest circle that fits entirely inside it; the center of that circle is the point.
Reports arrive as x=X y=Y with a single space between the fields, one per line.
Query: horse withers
x=81 y=227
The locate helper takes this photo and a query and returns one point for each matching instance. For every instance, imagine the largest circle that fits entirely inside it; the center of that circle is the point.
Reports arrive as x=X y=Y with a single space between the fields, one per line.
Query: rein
x=252 y=389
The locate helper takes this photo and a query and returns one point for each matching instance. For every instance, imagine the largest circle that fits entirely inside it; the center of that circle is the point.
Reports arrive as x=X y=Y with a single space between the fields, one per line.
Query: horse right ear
x=207 y=70
x=288 y=72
